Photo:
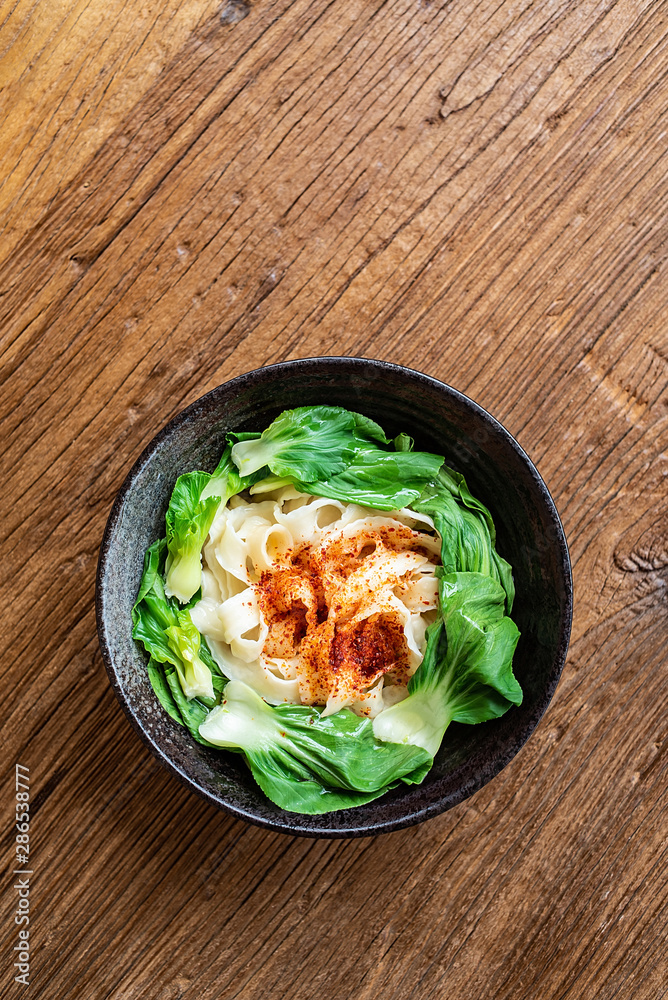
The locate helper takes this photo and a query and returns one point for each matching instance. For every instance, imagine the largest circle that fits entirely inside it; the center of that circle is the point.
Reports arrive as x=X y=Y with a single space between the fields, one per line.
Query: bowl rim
x=292 y=824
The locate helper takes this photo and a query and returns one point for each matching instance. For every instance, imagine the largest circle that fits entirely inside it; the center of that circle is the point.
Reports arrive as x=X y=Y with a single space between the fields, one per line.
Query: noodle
x=318 y=602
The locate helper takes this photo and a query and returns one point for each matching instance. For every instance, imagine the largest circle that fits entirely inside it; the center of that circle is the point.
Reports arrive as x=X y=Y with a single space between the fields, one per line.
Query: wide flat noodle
x=313 y=600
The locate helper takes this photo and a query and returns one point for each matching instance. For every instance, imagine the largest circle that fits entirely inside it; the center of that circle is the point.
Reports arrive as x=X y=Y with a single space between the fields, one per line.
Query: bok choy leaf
x=309 y=443
x=225 y=481
x=188 y=519
x=386 y=480
x=330 y=452
x=192 y=508
x=466 y=674
x=170 y=638
x=466 y=528
x=306 y=763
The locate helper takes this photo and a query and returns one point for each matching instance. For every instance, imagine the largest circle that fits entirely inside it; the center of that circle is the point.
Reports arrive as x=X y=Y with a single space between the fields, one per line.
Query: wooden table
x=476 y=190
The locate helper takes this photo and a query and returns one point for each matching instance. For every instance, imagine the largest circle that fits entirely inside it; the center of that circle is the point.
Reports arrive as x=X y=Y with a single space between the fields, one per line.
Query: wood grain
x=477 y=190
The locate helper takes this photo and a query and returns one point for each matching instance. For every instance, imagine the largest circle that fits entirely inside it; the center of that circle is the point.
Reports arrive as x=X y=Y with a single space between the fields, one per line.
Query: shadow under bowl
x=441 y=420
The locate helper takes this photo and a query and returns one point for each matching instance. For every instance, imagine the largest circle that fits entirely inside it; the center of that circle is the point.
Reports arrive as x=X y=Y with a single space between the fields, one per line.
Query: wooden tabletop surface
x=474 y=189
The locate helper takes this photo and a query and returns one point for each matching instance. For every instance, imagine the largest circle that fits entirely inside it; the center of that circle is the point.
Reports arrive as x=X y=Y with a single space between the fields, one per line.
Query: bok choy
x=306 y=763
x=183 y=674
x=192 y=508
x=466 y=674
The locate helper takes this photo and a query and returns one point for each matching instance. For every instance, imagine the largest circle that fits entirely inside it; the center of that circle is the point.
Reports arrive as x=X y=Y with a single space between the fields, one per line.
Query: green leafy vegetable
x=306 y=763
x=386 y=480
x=156 y=675
x=190 y=713
x=193 y=711
x=309 y=443
x=403 y=442
x=331 y=452
x=466 y=529
x=192 y=508
x=169 y=637
x=367 y=429
x=466 y=674
x=225 y=481
x=184 y=641
x=188 y=519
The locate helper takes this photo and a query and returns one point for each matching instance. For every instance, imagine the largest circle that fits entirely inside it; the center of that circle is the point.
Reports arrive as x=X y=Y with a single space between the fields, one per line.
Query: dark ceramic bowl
x=441 y=420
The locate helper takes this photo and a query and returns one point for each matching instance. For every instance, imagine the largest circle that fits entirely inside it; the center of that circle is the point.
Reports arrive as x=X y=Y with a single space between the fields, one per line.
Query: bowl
x=442 y=420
